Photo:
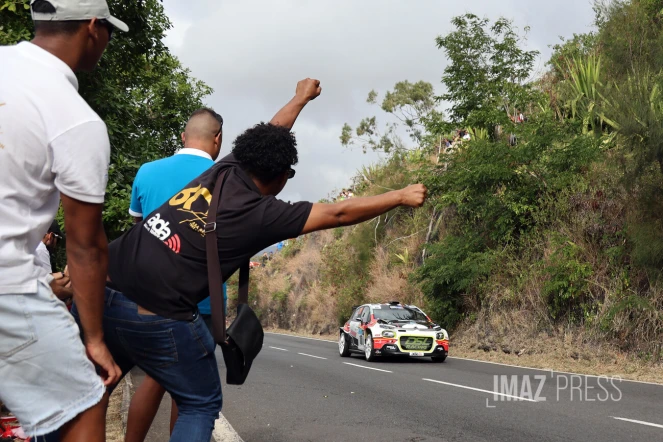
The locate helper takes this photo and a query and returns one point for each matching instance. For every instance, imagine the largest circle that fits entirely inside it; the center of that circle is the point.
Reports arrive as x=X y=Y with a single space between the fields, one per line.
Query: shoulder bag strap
x=214 y=277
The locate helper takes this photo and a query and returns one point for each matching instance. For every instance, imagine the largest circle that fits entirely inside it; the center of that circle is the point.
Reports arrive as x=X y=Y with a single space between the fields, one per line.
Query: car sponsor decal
x=416 y=343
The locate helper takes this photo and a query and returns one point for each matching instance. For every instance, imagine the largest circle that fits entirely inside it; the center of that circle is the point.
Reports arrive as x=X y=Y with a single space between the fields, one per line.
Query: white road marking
x=311 y=356
x=335 y=341
x=496 y=363
x=224 y=432
x=637 y=422
x=479 y=389
x=370 y=368
x=278 y=348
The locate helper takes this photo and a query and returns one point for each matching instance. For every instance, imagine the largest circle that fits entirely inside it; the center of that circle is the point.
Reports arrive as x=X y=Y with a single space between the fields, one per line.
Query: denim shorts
x=45 y=377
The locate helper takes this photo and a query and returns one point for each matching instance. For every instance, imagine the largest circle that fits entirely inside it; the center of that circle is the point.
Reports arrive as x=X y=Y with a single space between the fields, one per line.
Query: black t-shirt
x=161 y=264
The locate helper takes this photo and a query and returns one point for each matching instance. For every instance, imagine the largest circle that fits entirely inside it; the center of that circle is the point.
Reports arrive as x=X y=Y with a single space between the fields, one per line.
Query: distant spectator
x=60 y=284
x=47 y=245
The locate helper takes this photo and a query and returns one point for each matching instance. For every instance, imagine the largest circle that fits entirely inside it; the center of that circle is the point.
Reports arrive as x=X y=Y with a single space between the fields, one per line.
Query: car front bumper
x=393 y=350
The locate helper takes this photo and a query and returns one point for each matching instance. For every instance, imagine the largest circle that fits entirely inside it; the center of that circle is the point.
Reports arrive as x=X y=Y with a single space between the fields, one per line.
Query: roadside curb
x=224 y=432
x=126 y=400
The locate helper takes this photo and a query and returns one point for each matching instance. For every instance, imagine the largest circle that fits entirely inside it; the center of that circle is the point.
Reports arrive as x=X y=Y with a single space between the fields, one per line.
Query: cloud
x=253 y=52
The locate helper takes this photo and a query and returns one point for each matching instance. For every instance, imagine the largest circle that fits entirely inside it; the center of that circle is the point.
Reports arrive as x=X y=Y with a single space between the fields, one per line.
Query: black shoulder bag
x=242 y=342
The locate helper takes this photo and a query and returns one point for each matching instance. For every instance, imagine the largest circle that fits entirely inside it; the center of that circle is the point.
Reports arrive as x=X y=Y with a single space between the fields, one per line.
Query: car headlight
x=388 y=334
x=441 y=335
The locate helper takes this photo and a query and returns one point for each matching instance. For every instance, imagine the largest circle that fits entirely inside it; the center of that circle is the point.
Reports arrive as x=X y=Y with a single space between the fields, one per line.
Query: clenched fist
x=414 y=195
x=308 y=89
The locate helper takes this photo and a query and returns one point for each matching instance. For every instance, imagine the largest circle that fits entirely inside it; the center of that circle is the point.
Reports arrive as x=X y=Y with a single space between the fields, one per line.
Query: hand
x=98 y=353
x=308 y=89
x=414 y=195
x=61 y=286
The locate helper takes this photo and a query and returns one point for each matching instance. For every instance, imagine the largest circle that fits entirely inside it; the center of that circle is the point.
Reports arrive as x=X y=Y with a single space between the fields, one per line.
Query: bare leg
x=173 y=415
x=144 y=406
x=89 y=426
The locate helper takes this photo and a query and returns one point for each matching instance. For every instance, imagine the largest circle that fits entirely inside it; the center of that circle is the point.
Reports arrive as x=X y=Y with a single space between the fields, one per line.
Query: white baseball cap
x=69 y=10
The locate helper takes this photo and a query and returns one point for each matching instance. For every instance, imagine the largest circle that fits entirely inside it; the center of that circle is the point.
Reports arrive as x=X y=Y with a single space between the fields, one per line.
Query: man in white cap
x=52 y=146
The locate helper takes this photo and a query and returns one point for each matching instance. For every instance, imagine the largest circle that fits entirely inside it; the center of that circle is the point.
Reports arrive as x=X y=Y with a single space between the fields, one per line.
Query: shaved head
x=203 y=125
x=203 y=132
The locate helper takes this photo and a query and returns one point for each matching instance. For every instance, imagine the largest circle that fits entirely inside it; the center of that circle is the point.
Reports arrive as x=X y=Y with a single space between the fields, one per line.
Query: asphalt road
x=301 y=390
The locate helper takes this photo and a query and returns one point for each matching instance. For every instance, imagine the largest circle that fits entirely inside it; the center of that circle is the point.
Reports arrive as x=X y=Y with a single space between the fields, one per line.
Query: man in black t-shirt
x=158 y=269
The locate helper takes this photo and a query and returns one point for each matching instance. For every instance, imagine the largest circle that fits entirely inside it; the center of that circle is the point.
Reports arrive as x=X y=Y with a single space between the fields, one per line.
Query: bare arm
x=307 y=90
x=357 y=210
x=87 y=262
x=137 y=219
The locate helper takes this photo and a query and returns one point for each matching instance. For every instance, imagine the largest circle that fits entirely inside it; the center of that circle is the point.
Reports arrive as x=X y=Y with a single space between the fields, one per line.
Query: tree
x=140 y=90
x=630 y=33
x=487 y=71
x=413 y=104
x=564 y=53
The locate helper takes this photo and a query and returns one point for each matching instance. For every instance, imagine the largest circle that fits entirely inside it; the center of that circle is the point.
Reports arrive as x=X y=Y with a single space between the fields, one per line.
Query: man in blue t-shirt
x=155 y=183
x=158 y=181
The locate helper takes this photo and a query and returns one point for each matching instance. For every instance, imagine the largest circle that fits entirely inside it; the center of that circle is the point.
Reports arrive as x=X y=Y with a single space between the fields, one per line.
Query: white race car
x=392 y=329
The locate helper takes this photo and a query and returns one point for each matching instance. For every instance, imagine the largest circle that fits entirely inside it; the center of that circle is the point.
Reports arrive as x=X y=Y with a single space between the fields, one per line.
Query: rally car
x=392 y=329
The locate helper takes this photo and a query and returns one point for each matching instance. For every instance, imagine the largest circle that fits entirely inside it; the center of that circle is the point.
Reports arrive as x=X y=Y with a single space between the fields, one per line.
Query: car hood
x=413 y=325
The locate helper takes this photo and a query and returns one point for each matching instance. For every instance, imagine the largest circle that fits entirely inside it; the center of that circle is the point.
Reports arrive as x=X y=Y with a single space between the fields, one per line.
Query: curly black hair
x=266 y=151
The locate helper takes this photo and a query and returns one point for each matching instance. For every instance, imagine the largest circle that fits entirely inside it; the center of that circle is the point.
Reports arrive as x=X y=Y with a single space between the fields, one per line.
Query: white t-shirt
x=51 y=141
x=43 y=257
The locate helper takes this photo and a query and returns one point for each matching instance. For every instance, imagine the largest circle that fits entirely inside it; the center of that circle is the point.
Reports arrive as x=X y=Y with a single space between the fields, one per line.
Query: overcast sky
x=253 y=53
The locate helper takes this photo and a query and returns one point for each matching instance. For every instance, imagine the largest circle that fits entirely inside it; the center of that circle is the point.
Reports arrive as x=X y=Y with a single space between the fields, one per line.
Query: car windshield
x=392 y=313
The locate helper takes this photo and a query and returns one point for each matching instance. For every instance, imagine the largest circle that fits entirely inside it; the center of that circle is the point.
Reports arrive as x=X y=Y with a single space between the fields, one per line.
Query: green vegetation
x=139 y=89
x=553 y=222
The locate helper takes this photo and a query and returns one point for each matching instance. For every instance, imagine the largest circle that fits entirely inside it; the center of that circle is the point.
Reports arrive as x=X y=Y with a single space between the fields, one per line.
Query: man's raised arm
x=307 y=90
x=357 y=210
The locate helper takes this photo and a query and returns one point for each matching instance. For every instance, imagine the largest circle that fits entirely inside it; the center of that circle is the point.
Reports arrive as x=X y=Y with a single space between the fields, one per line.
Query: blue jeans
x=179 y=355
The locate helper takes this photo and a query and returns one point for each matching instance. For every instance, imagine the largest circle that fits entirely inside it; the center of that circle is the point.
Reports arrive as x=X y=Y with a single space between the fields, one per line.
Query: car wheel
x=343 y=345
x=369 y=351
x=439 y=358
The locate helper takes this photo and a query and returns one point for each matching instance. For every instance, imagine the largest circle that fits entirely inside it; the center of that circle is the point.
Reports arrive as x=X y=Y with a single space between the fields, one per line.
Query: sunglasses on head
x=291 y=174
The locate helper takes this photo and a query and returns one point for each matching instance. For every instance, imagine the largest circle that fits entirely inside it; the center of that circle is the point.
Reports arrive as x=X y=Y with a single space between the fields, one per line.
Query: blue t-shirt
x=156 y=182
